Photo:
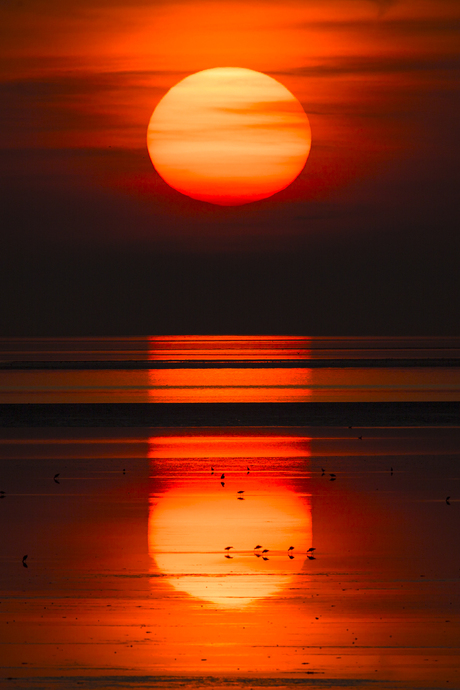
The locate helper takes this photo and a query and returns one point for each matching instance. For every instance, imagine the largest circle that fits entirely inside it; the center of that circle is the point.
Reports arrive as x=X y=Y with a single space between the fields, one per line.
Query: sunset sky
x=364 y=241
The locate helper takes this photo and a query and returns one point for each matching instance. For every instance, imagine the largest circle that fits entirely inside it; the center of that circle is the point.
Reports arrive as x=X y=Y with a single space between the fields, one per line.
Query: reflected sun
x=188 y=533
x=196 y=513
x=229 y=136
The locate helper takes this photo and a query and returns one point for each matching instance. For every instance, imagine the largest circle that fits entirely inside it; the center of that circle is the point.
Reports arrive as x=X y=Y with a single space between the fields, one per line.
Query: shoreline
x=355 y=414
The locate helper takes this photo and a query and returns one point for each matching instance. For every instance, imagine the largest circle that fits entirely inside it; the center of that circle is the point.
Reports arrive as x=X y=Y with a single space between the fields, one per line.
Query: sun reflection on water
x=218 y=494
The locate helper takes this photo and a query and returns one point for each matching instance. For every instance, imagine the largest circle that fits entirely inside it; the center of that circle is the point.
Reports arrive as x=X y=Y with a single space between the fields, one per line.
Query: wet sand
x=127 y=583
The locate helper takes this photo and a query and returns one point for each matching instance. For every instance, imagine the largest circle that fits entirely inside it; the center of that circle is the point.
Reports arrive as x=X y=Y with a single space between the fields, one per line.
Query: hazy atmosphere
x=364 y=241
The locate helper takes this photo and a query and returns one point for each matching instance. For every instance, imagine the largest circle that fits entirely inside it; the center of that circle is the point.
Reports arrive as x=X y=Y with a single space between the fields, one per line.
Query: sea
x=229 y=512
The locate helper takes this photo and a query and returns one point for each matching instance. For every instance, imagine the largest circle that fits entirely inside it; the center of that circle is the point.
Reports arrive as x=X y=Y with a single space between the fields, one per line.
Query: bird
x=222 y=476
x=124 y=470
x=360 y=438
x=333 y=478
x=248 y=470
x=212 y=470
x=222 y=483
x=311 y=549
x=56 y=478
x=265 y=558
x=257 y=547
x=391 y=470
x=323 y=471
x=240 y=498
x=227 y=555
x=24 y=558
x=240 y=492
x=265 y=550
x=2 y=494
x=227 y=548
x=311 y=558
x=291 y=548
x=290 y=556
x=448 y=500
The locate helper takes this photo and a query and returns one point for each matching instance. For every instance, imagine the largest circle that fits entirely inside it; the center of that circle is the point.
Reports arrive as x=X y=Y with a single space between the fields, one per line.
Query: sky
x=363 y=242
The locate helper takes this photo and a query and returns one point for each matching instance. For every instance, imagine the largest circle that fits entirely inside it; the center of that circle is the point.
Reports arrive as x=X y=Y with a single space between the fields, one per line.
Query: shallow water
x=127 y=581
x=191 y=369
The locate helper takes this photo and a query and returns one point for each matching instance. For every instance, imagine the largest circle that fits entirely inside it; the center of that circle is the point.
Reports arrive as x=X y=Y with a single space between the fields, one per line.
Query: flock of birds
x=260 y=552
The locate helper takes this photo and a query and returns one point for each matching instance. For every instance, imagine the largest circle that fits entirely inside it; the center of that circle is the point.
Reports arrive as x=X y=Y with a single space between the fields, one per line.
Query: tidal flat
x=229 y=512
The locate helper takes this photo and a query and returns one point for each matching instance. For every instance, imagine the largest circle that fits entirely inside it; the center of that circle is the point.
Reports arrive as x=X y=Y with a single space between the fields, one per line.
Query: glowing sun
x=229 y=136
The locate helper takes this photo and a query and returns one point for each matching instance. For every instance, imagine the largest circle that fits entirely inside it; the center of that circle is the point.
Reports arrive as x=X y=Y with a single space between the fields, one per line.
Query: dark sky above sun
x=364 y=241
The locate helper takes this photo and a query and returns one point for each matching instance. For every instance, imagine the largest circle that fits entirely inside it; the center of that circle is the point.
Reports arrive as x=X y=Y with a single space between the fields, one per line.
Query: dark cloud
x=362 y=65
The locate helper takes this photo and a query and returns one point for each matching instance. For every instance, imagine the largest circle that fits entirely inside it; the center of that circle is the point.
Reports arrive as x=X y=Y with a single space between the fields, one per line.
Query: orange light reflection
x=198 y=513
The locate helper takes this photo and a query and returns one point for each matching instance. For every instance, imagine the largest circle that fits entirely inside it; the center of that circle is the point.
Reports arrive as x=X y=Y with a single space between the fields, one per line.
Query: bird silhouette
x=290 y=556
x=222 y=483
x=2 y=494
x=391 y=471
x=265 y=558
x=291 y=548
x=212 y=470
x=227 y=555
x=240 y=492
x=360 y=438
x=240 y=498
x=24 y=558
x=265 y=550
x=257 y=547
x=448 y=500
x=227 y=548
x=323 y=471
x=56 y=478
x=248 y=470
x=311 y=558
x=222 y=476
x=311 y=549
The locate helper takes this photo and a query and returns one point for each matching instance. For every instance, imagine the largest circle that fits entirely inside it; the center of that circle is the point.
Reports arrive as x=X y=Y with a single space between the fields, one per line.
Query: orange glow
x=192 y=522
x=229 y=136
x=228 y=347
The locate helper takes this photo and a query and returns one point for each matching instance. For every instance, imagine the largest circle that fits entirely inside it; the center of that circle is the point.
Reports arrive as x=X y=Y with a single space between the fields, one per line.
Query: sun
x=229 y=136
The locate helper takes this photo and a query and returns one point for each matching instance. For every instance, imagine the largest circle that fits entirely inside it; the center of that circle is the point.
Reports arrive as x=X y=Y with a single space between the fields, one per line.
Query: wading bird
x=227 y=548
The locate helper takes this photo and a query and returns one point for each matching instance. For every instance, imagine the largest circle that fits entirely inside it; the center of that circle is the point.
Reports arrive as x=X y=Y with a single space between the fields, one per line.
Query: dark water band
x=357 y=414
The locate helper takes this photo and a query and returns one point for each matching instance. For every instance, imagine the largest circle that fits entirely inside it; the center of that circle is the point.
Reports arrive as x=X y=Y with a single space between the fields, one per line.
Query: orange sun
x=229 y=136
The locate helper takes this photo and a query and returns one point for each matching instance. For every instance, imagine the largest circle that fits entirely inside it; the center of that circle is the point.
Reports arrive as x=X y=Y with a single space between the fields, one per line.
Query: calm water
x=235 y=369
x=128 y=581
